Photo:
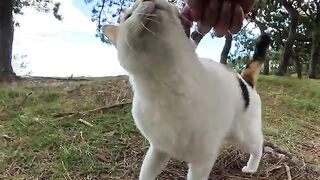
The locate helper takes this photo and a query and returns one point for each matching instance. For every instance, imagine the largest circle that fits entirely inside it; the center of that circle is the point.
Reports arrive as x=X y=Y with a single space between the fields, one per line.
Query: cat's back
x=217 y=69
x=220 y=77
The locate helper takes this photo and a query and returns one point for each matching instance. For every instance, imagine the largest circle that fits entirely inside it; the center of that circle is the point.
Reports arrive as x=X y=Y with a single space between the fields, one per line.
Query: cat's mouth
x=146 y=17
x=149 y=16
x=144 y=10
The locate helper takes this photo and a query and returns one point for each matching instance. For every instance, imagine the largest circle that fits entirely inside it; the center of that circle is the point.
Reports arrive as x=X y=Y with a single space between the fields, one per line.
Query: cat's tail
x=251 y=72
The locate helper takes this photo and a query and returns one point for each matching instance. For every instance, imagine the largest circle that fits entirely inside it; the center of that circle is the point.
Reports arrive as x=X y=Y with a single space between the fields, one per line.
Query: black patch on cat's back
x=245 y=93
x=248 y=81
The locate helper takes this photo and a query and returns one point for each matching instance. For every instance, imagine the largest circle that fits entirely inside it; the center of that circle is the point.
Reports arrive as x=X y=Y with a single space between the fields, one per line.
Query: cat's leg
x=199 y=171
x=249 y=138
x=154 y=161
x=255 y=151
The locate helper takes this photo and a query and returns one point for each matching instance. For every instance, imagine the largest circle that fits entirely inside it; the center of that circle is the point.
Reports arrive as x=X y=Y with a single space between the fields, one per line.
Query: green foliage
x=271 y=16
x=274 y=60
x=46 y=6
x=109 y=12
x=244 y=46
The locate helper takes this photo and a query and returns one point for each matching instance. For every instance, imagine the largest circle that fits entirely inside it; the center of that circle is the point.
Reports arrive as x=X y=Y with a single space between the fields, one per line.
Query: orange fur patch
x=252 y=72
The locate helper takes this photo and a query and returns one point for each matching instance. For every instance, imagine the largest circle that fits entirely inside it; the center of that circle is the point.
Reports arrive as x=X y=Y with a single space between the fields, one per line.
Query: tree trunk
x=298 y=66
x=6 y=40
x=226 y=49
x=288 y=52
x=266 y=67
x=315 y=54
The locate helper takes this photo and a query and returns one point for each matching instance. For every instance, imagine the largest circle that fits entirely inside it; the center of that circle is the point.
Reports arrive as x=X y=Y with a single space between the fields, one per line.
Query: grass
x=34 y=144
x=292 y=115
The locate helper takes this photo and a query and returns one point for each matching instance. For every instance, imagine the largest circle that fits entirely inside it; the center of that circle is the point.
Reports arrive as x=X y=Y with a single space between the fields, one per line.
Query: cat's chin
x=148 y=19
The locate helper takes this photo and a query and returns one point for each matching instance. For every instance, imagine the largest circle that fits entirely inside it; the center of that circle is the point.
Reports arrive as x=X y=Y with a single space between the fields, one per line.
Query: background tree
x=7 y=25
x=6 y=38
x=244 y=46
x=107 y=12
x=293 y=45
x=226 y=48
x=288 y=47
x=311 y=11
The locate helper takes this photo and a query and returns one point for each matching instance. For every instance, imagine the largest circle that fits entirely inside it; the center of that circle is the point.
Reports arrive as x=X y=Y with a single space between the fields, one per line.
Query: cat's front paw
x=247 y=169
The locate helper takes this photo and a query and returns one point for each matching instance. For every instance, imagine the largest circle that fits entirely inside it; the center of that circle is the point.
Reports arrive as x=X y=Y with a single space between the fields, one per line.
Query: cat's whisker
x=126 y=39
x=150 y=19
x=147 y=14
x=127 y=42
x=148 y=29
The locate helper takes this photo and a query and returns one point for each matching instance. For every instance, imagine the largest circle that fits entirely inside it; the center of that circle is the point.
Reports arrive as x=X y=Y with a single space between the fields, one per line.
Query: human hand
x=222 y=15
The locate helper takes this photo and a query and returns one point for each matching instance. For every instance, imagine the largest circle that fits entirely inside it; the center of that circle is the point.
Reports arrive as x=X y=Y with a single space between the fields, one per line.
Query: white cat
x=184 y=105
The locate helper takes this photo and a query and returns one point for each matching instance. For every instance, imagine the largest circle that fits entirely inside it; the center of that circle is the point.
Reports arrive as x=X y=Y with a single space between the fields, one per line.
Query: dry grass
x=33 y=144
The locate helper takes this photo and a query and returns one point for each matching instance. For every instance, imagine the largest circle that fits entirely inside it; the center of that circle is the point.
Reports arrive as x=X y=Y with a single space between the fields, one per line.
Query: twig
x=288 y=171
x=62 y=114
x=58 y=78
x=70 y=114
x=25 y=98
x=6 y=137
x=100 y=13
x=244 y=27
x=85 y=122
x=236 y=177
x=278 y=149
x=65 y=169
x=307 y=14
x=276 y=165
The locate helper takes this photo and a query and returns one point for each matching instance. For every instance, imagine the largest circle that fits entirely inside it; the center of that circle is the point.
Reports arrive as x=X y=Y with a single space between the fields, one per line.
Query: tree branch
x=244 y=27
x=307 y=14
x=104 y=108
x=100 y=14
x=318 y=12
x=287 y=171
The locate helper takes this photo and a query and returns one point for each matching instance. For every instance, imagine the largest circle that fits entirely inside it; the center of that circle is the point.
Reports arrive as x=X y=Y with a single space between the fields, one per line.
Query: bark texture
x=288 y=52
x=315 y=54
x=6 y=39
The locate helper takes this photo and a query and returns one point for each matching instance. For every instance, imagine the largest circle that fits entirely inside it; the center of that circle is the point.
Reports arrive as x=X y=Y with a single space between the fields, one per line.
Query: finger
x=224 y=19
x=219 y=34
x=247 y=5
x=203 y=29
x=186 y=12
x=210 y=16
x=195 y=4
x=196 y=7
x=237 y=19
x=186 y=20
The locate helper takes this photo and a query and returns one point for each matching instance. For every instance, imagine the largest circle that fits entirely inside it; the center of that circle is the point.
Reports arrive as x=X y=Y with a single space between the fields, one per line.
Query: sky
x=69 y=47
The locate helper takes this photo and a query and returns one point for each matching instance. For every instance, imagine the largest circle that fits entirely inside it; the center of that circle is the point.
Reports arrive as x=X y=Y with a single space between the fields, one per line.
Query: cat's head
x=149 y=34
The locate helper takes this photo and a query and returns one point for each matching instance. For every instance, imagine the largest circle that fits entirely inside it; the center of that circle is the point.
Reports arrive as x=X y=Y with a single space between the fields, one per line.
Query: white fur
x=184 y=105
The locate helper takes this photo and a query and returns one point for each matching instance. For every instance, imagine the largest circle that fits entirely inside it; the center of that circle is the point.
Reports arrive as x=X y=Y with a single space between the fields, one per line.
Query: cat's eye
x=127 y=16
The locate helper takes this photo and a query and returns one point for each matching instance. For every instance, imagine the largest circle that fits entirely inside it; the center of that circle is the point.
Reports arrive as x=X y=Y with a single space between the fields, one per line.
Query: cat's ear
x=111 y=31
